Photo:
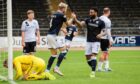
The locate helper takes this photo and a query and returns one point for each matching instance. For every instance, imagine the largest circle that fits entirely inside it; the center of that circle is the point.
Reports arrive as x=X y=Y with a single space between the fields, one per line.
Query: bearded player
x=95 y=28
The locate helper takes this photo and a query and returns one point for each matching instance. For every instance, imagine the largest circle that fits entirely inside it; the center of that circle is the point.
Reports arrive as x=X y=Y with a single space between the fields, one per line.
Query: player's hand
x=73 y=15
x=25 y=76
x=99 y=36
x=23 y=44
x=38 y=42
x=110 y=43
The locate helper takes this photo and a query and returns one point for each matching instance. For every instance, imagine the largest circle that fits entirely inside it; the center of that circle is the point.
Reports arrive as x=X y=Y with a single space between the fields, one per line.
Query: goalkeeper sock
x=60 y=58
x=50 y=62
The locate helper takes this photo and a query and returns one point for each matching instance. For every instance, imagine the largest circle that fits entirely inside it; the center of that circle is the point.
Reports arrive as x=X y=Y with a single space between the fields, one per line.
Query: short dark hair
x=30 y=11
x=106 y=10
x=94 y=8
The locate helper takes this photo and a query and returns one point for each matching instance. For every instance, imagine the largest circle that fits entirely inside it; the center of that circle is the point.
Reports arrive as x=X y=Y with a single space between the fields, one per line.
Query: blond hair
x=62 y=5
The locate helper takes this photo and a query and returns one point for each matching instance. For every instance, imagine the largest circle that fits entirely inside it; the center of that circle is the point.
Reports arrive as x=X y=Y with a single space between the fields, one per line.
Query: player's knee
x=53 y=51
x=94 y=54
x=64 y=51
x=88 y=57
x=105 y=54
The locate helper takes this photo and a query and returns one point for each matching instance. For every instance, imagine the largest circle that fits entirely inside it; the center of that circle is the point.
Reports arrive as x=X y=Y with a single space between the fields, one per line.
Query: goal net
x=6 y=51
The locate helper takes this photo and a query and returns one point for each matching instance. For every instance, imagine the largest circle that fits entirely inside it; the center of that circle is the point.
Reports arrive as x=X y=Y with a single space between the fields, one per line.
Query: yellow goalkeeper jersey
x=28 y=64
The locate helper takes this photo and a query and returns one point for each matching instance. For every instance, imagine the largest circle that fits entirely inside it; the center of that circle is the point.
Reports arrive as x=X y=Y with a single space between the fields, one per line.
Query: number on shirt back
x=52 y=17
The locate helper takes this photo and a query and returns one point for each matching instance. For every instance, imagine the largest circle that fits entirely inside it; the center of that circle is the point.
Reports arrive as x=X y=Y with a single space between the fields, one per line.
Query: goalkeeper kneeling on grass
x=30 y=68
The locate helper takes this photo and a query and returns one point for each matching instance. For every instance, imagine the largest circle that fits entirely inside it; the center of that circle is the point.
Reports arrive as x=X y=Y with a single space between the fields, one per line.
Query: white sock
x=47 y=70
x=56 y=67
x=106 y=64
x=100 y=64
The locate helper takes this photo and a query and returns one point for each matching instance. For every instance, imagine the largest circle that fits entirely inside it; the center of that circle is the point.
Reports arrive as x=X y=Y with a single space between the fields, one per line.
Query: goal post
x=10 y=39
x=6 y=48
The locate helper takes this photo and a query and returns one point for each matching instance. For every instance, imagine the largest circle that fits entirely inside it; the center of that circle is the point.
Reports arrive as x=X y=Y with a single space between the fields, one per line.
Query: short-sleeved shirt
x=94 y=27
x=30 y=28
x=70 y=32
x=56 y=23
x=107 y=22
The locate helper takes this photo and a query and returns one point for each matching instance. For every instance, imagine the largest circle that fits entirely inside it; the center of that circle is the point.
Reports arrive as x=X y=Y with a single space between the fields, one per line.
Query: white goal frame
x=10 y=39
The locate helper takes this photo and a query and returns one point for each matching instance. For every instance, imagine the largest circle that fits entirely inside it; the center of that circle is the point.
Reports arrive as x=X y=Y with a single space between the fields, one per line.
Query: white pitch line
x=125 y=62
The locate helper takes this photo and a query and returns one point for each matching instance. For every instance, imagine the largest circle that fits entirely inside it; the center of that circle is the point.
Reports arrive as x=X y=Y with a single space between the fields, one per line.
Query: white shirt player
x=30 y=28
x=107 y=22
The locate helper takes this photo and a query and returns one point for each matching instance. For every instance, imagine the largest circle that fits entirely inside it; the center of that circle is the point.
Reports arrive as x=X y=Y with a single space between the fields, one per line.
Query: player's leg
x=63 y=52
x=35 y=77
x=32 y=49
x=52 y=45
x=51 y=59
x=89 y=57
x=104 y=54
x=101 y=61
x=93 y=59
x=88 y=53
x=106 y=62
x=26 y=48
x=41 y=76
x=102 y=57
x=40 y=71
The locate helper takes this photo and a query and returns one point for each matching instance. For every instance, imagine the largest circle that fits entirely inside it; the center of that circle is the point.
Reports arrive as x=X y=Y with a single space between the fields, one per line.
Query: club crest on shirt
x=97 y=22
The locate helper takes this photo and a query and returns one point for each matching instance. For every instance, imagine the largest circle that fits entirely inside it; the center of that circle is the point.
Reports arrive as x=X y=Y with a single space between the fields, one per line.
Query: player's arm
x=23 y=33
x=23 y=36
x=30 y=68
x=102 y=33
x=38 y=33
x=35 y=67
x=65 y=20
x=109 y=36
x=17 y=66
x=64 y=30
x=75 y=32
x=69 y=22
x=108 y=32
x=79 y=23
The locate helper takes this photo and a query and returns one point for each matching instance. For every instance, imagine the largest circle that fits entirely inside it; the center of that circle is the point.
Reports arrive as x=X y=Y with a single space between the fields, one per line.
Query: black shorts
x=29 y=47
x=104 y=44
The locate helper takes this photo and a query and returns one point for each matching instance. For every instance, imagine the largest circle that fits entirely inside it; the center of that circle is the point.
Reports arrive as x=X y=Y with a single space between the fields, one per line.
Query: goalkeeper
x=30 y=68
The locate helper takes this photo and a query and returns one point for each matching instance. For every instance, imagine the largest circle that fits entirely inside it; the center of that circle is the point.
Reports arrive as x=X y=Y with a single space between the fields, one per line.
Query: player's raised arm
x=79 y=23
x=64 y=30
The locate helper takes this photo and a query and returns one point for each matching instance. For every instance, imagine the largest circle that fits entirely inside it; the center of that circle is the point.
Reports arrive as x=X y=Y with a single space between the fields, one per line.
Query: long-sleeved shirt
x=28 y=64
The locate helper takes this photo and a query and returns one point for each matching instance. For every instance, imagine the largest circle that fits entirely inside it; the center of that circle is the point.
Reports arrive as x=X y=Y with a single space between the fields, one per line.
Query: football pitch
x=124 y=63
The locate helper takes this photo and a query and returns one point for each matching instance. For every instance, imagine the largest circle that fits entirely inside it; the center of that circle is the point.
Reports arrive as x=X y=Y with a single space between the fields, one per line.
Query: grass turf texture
x=125 y=65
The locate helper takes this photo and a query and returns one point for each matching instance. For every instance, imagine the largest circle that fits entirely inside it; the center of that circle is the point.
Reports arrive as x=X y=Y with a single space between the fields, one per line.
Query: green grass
x=125 y=65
